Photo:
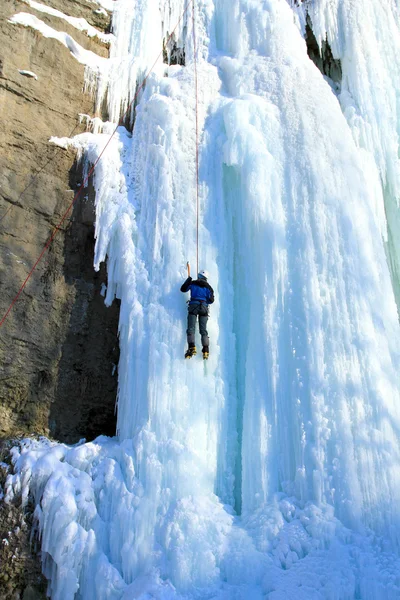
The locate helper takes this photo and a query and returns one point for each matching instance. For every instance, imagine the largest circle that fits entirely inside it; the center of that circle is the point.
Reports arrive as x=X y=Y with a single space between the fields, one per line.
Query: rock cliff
x=59 y=345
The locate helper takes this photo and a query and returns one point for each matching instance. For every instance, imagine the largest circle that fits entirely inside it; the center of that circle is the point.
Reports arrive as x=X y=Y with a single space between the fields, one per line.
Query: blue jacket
x=200 y=290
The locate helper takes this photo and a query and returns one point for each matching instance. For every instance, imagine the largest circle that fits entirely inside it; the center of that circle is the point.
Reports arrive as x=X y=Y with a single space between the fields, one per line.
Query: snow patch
x=107 y=5
x=101 y=11
x=79 y=23
x=27 y=73
x=85 y=57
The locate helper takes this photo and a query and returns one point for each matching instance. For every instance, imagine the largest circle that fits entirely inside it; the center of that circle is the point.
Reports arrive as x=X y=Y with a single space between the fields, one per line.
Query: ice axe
x=188 y=268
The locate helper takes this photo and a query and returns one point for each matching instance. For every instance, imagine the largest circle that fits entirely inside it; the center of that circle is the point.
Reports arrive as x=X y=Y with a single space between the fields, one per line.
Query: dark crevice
x=322 y=57
x=108 y=28
x=8 y=88
x=172 y=53
x=84 y=405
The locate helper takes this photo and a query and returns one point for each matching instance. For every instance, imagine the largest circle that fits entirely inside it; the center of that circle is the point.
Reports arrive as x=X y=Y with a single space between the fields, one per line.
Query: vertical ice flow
x=268 y=471
x=369 y=94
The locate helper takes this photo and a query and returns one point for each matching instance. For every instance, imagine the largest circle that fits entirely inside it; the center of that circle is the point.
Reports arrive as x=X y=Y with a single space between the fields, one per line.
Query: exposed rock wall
x=59 y=343
x=58 y=346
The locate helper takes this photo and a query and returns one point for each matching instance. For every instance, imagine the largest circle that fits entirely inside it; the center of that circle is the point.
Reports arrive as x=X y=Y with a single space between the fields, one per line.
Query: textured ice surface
x=365 y=37
x=273 y=471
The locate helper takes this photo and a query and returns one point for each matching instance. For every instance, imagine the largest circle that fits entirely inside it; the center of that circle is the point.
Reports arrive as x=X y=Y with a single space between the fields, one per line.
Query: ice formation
x=30 y=74
x=274 y=470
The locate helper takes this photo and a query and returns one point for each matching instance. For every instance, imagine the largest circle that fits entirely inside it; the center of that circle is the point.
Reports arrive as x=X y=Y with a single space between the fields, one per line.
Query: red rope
x=197 y=133
x=120 y=122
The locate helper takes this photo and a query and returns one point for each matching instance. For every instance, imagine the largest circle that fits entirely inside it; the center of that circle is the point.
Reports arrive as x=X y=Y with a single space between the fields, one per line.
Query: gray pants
x=201 y=311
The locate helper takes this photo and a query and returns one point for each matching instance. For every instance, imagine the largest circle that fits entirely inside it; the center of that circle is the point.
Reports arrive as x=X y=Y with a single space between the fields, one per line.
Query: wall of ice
x=366 y=40
x=273 y=470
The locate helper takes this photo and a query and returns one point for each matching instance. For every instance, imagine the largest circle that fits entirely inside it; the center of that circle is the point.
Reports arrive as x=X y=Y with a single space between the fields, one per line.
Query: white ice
x=272 y=471
x=101 y=11
x=30 y=74
x=369 y=95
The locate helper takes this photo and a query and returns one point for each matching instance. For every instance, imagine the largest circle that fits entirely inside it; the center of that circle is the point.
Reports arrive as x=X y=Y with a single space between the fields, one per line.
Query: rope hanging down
x=197 y=132
x=86 y=180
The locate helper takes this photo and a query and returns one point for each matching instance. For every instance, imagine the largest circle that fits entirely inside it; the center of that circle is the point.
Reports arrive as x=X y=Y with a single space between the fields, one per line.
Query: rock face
x=58 y=345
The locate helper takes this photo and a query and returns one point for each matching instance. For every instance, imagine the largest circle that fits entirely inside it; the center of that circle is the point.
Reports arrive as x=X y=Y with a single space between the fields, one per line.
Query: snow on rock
x=97 y=68
x=273 y=470
x=27 y=73
x=106 y=4
x=79 y=23
x=85 y=57
x=101 y=11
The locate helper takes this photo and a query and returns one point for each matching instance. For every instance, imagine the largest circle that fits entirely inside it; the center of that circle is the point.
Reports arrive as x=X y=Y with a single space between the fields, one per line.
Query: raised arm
x=186 y=285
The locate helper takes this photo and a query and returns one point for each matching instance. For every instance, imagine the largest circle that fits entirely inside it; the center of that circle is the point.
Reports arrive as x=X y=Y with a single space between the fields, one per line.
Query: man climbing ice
x=201 y=295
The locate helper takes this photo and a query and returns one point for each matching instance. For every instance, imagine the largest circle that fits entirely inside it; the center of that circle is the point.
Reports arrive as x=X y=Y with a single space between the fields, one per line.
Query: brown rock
x=58 y=344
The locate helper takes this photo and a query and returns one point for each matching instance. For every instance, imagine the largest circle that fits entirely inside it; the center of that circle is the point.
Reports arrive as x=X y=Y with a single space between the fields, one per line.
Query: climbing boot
x=191 y=351
x=205 y=352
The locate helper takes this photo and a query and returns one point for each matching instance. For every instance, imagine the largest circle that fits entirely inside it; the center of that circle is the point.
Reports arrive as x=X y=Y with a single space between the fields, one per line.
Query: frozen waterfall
x=273 y=471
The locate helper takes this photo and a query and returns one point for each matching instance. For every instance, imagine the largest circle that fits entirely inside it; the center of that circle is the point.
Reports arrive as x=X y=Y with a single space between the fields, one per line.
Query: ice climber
x=201 y=295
